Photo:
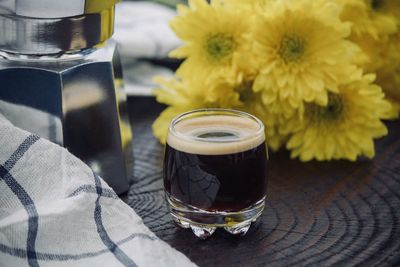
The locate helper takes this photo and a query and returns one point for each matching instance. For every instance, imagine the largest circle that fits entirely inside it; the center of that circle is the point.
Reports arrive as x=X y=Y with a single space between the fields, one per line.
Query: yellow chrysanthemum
x=182 y=96
x=194 y=94
x=388 y=75
x=371 y=59
x=376 y=30
x=302 y=48
x=391 y=82
x=215 y=40
x=370 y=17
x=249 y=101
x=387 y=6
x=345 y=128
x=247 y=3
x=174 y=93
x=373 y=24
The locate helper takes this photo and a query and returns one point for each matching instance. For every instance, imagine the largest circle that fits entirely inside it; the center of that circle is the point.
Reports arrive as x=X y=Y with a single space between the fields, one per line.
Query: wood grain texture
x=317 y=214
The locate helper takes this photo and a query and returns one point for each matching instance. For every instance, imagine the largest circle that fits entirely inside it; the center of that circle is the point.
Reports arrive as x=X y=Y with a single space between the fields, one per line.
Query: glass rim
x=231 y=112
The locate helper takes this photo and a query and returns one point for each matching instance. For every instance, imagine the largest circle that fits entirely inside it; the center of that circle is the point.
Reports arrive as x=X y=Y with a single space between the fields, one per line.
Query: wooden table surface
x=317 y=214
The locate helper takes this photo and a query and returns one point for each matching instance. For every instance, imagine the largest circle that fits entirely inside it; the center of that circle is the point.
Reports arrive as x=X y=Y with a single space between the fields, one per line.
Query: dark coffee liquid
x=229 y=182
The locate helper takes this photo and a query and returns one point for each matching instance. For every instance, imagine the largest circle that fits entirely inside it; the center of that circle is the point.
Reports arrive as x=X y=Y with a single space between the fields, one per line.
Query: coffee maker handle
x=96 y=6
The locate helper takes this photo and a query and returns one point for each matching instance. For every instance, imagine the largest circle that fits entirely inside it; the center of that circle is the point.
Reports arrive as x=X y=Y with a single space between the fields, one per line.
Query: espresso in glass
x=215 y=170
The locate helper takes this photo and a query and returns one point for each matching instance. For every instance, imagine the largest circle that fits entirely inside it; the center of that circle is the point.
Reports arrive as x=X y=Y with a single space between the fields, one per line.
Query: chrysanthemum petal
x=345 y=128
x=305 y=57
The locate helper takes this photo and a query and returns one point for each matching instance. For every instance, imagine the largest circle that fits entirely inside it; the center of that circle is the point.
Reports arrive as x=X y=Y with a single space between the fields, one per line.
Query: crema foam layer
x=216 y=135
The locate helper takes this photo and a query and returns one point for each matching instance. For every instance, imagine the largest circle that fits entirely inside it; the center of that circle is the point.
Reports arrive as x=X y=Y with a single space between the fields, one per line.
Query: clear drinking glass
x=215 y=170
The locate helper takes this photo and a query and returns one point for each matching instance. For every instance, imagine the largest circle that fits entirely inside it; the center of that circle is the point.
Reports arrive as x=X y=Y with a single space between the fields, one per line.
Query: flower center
x=219 y=46
x=292 y=48
x=376 y=4
x=331 y=112
x=245 y=91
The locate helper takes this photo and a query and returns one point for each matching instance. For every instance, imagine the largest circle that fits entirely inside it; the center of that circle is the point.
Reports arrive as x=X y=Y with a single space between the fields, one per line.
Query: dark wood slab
x=318 y=214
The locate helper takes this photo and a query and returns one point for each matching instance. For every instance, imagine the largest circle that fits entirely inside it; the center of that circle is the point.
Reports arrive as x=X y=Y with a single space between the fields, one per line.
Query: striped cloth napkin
x=54 y=211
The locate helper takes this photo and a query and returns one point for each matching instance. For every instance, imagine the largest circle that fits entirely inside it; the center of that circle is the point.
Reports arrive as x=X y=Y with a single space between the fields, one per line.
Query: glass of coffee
x=215 y=170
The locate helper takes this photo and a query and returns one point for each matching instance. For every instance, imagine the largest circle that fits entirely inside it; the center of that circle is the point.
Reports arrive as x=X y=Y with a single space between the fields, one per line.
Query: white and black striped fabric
x=54 y=211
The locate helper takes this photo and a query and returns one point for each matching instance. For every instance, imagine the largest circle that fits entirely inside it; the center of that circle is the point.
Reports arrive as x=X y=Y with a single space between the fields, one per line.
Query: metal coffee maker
x=61 y=78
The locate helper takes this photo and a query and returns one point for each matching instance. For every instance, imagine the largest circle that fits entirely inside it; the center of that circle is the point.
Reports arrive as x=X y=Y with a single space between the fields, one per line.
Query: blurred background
x=171 y=3
x=145 y=39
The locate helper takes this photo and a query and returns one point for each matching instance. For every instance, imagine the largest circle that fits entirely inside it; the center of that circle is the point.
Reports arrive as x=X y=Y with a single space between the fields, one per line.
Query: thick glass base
x=204 y=223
